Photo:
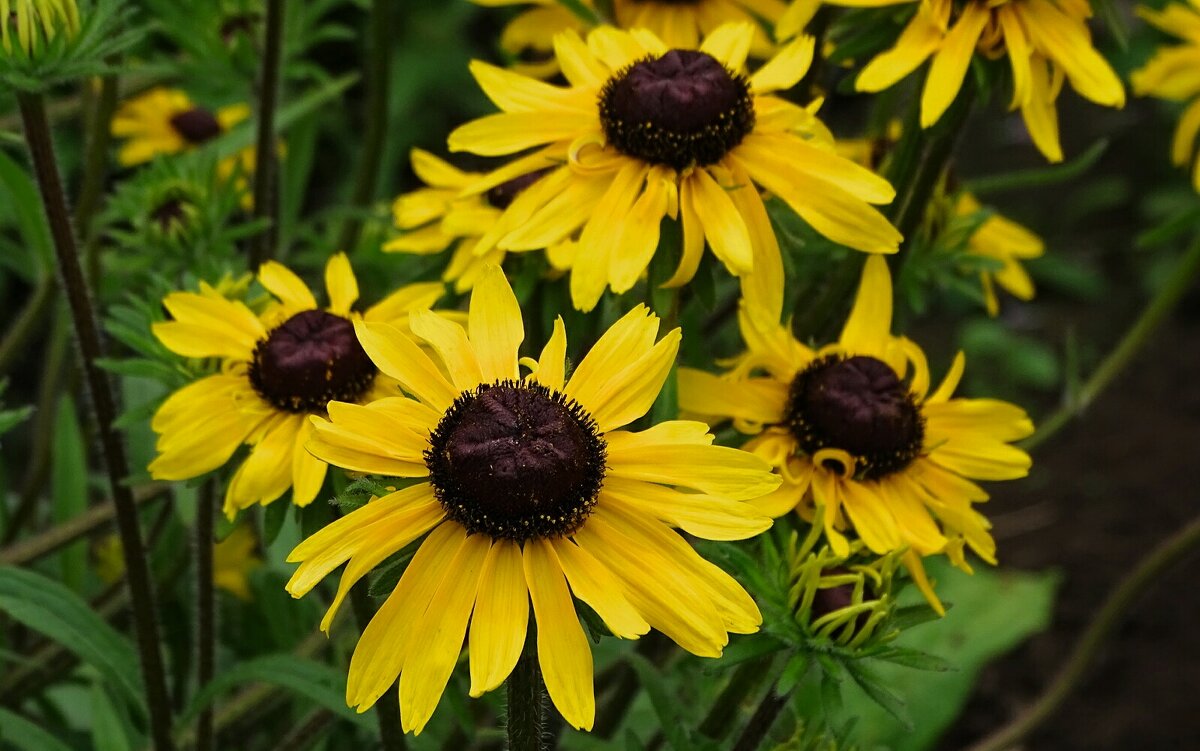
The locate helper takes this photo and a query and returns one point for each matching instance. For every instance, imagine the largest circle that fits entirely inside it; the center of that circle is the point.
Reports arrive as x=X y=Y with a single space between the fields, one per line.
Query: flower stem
x=206 y=606
x=266 y=200
x=375 y=114
x=1111 y=613
x=1153 y=315
x=526 y=700
x=761 y=721
x=746 y=678
x=41 y=148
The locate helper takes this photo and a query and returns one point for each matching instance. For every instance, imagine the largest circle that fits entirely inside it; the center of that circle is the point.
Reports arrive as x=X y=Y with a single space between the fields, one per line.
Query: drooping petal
x=563 y=650
x=501 y=618
x=594 y=584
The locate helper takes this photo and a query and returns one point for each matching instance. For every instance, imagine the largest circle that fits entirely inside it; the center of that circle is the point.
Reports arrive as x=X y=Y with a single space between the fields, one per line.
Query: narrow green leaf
x=110 y=729
x=68 y=487
x=48 y=607
x=792 y=674
x=665 y=704
x=22 y=734
x=1039 y=176
x=323 y=685
x=873 y=687
x=26 y=207
x=914 y=658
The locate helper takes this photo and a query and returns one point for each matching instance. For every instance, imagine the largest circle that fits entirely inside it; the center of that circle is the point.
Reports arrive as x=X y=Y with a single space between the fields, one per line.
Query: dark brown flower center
x=682 y=109
x=170 y=214
x=312 y=358
x=828 y=600
x=502 y=195
x=196 y=125
x=860 y=406
x=516 y=460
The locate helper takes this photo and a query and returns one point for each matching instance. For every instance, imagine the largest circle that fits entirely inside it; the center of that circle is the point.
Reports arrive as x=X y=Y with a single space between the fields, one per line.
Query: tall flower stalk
x=45 y=164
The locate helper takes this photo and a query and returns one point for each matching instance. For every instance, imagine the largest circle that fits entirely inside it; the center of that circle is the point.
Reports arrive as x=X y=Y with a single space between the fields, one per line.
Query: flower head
x=1174 y=73
x=1006 y=242
x=277 y=368
x=529 y=491
x=167 y=121
x=1045 y=42
x=645 y=131
x=861 y=442
x=439 y=217
x=35 y=23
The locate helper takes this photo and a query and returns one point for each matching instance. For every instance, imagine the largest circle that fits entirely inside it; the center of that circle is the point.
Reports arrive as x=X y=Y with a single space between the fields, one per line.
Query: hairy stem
x=526 y=700
x=266 y=198
x=375 y=115
x=206 y=609
x=1153 y=315
x=761 y=721
x=87 y=332
x=1168 y=553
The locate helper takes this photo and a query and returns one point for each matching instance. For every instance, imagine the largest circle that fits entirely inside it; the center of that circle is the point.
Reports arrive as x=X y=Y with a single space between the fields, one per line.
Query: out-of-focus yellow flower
x=1174 y=73
x=166 y=121
x=234 y=558
x=1005 y=241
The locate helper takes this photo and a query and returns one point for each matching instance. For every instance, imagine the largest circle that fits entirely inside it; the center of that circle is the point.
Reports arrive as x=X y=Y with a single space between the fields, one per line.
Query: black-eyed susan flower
x=234 y=559
x=276 y=369
x=644 y=132
x=863 y=446
x=529 y=490
x=439 y=217
x=1174 y=73
x=167 y=121
x=34 y=23
x=1045 y=42
x=1002 y=240
x=678 y=24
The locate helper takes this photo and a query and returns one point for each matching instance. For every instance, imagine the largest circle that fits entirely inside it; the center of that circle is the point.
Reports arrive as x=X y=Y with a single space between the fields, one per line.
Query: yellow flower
x=678 y=25
x=645 y=132
x=1174 y=73
x=36 y=22
x=277 y=368
x=233 y=560
x=799 y=12
x=166 y=121
x=439 y=216
x=1005 y=241
x=1045 y=41
x=529 y=490
x=858 y=438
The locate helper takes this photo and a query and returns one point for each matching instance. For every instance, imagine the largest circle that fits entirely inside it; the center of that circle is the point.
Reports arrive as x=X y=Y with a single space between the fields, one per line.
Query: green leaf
x=26 y=207
x=68 y=487
x=914 y=658
x=580 y=11
x=48 y=607
x=666 y=705
x=243 y=135
x=323 y=685
x=993 y=613
x=22 y=734
x=792 y=674
x=1039 y=176
x=875 y=688
x=110 y=728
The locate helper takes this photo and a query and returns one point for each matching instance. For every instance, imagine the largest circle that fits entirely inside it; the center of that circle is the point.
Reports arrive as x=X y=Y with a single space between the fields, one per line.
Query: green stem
x=27 y=322
x=526 y=700
x=761 y=721
x=41 y=148
x=746 y=678
x=33 y=548
x=1155 y=312
x=206 y=609
x=376 y=115
x=266 y=199
x=1168 y=553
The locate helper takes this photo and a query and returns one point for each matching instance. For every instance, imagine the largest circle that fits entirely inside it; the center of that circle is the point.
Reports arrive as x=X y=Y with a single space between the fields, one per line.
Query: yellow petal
x=308 y=472
x=759 y=400
x=596 y=585
x=631 y=392
x=387 y=639
x=399 y=357
x=340 y=284
x=495 y=326
x=438 y=635
x=730 y=44
x=553 y=361
x=724 y=227
x=786 y=68
x=282 y=282
x=951 y=62
x=626 y=341
x=267 y=472
x=697 y=514
x=396 y=306
x=868 y=329
x=501 y=618
x=719 y=470
x=450 y=342
x=563 y=650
